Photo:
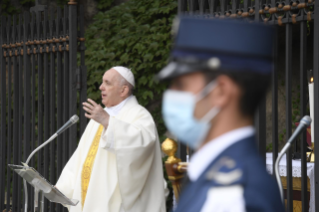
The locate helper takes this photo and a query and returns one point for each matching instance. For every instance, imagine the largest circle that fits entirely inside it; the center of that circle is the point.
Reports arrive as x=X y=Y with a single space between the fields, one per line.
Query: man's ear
x=124 y=91
x=225 y=91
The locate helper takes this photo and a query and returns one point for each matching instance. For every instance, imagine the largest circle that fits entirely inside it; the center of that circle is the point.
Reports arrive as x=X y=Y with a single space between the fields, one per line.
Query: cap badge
x=213 y=63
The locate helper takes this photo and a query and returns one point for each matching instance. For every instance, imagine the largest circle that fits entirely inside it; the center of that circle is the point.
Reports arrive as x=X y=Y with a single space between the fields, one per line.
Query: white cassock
x=127 y=172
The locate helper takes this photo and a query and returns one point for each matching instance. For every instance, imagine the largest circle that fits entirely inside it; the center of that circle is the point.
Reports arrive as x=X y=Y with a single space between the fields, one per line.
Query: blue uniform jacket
x=239 y=164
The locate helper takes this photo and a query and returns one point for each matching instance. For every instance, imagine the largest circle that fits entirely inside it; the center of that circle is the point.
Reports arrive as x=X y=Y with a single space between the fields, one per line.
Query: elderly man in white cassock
x=117 y=166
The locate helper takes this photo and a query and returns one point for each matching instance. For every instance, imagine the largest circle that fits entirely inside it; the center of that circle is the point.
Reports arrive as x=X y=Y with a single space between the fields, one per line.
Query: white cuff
x=107 y=137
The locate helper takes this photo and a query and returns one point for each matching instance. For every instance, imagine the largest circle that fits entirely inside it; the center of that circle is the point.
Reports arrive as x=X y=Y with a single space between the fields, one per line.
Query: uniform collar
x=207 y=154
x=115 y=110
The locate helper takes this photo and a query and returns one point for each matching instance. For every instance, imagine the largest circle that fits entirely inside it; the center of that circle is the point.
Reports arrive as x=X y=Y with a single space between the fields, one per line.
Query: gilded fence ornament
x=302 y=5
x=245 y=14
x=273 y=10
x=309 y=16
x=280 y=21
x=287 y=8
x=72 y=2
x=269 y=12
x=293 y=18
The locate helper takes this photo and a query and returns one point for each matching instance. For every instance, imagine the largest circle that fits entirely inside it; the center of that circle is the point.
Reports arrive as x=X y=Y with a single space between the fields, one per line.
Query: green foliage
x=269 y=147
x=104 y=4
x=26 y=2
x=135 y=34
x=62 y=3
x=8 y=9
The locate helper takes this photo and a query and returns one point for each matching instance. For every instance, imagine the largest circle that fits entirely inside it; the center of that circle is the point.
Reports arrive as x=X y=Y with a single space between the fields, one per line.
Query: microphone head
x=306 y=120
x=74 y=119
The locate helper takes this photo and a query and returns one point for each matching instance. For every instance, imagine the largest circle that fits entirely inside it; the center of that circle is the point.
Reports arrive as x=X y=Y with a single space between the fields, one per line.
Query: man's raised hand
x=96 y=112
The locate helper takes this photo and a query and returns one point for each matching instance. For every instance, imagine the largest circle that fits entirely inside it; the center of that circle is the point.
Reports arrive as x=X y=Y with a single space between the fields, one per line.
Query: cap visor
x=175 y=69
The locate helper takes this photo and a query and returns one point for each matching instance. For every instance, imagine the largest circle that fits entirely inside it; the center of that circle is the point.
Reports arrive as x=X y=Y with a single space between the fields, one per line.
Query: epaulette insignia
x=224 y=178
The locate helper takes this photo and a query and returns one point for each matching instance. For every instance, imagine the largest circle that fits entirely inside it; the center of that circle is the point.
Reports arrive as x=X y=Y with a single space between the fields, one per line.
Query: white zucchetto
x=126 y=74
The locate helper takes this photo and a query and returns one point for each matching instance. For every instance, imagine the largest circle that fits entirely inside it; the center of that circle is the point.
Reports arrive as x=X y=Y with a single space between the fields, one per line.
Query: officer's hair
x=253 y=86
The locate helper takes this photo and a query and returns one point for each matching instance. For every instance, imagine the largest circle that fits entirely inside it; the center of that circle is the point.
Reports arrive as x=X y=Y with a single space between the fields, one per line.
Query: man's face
x=194 y=83
x=225 y=95
x=111 y=88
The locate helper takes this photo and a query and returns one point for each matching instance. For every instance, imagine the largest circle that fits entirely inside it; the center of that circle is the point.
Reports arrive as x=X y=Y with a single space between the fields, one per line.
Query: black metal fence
x=41 y=87
x=288 y=15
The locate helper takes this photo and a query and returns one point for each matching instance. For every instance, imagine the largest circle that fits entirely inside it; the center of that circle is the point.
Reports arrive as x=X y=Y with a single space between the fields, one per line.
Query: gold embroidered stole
x=88 y=164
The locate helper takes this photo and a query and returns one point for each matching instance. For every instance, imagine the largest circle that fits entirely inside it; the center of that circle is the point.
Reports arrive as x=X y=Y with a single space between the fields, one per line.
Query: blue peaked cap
x=220 y=45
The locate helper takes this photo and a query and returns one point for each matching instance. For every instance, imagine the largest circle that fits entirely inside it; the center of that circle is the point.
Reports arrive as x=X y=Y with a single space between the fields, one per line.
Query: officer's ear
x=226 y=92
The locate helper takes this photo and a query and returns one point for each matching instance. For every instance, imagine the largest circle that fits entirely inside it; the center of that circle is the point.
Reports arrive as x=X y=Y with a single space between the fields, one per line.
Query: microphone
x=68 y=124
x=303 y=124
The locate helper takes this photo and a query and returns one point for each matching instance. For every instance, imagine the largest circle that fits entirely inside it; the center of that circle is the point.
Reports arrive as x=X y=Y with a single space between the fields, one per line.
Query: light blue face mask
x=178 y=113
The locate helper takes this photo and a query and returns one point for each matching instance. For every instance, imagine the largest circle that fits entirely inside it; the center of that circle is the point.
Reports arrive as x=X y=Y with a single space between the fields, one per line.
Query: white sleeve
x=107 y=135
x=225 y=199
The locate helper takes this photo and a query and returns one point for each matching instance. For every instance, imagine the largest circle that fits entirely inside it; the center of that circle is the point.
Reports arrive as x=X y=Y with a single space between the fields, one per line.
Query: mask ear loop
x=206 y=90
x=215 y=110
x=211 y=114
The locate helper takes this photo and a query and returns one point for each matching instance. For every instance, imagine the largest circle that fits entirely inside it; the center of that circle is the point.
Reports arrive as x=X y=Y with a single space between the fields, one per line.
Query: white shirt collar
x=204 y=156
x=115 y=110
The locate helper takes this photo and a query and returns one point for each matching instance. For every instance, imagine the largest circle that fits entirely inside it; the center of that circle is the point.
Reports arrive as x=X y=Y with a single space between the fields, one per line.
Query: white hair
x=124 y=82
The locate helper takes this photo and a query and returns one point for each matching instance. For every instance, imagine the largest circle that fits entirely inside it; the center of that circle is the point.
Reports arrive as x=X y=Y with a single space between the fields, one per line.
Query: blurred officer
x=219 y=72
